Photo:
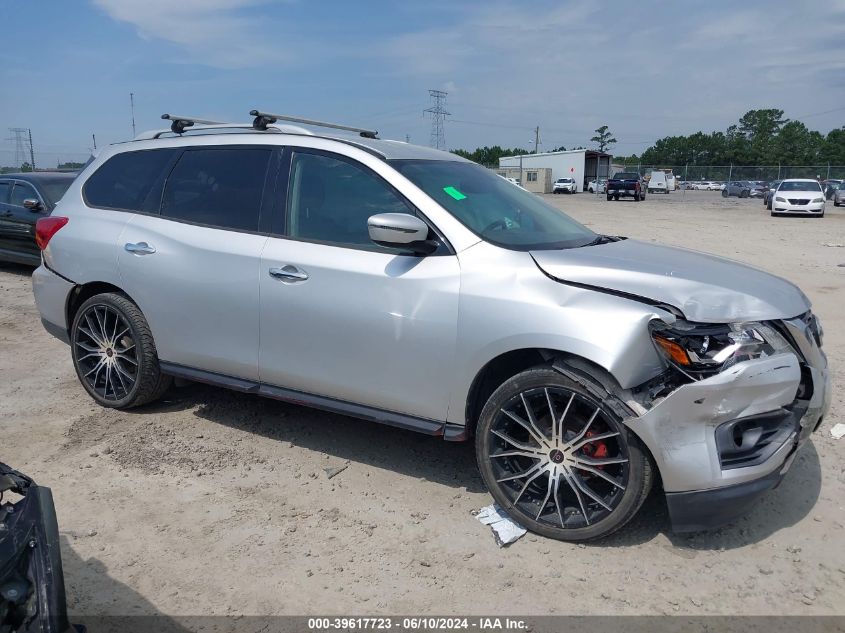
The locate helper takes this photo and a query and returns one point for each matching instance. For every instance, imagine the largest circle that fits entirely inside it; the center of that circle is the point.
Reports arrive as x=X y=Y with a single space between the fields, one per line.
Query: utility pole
x=536 y=139
x=132 y=107
x=31 y=151
x=438 y=116
x=407 y=138
x=94 y=138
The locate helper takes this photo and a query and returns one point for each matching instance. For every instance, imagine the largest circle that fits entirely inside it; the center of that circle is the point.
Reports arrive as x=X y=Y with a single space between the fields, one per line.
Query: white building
x=583 y=165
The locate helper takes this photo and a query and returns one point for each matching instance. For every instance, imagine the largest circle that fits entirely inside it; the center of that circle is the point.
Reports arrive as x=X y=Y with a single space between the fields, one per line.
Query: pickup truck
x=626 y=183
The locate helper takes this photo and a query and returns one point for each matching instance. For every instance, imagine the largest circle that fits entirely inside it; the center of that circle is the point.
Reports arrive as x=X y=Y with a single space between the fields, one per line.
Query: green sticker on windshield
x=457 y=195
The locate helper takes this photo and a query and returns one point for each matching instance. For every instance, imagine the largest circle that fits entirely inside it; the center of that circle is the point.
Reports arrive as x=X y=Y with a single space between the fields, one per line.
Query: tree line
x=761 y=137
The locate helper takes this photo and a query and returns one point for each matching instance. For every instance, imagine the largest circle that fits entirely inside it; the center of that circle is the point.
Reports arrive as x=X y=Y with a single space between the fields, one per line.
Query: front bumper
x=785 y=396
x=816 y=208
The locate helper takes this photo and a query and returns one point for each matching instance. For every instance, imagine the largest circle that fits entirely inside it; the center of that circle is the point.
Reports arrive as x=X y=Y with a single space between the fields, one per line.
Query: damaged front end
x=724 y=420
x=32 y=590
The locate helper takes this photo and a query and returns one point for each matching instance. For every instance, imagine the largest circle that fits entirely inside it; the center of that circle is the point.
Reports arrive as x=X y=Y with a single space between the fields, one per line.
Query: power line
x=438 y=117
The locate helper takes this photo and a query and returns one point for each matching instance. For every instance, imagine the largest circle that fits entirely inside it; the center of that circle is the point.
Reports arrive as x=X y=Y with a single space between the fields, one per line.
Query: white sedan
x=798 y=196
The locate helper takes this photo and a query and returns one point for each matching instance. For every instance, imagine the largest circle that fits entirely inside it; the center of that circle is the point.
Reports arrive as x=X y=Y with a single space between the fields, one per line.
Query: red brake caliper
x=594 y=449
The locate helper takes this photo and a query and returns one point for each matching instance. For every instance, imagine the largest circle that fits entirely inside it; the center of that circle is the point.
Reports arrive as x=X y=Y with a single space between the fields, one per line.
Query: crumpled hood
x=704 y=287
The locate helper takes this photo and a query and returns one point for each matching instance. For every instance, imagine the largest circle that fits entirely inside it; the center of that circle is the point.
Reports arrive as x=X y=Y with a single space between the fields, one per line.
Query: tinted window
x=330 y=200
x=4 y=191
x=217 y=187
x=55 y=188
x=21 y=192
x=128 y=180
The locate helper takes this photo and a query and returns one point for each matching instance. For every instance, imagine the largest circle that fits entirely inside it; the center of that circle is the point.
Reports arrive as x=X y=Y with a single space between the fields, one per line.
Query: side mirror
x=32 y=204
x=400 y=230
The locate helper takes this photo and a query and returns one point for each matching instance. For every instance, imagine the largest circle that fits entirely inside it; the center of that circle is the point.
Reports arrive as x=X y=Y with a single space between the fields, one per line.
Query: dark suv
x=24 y=198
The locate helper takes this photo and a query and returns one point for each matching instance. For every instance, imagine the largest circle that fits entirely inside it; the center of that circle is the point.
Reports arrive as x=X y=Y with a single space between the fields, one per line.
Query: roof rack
x=179 y=123
x=263 y=119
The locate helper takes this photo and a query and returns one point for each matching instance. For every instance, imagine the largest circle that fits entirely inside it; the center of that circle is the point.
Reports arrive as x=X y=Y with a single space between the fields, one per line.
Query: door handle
x=288 y=274
x=141 y=248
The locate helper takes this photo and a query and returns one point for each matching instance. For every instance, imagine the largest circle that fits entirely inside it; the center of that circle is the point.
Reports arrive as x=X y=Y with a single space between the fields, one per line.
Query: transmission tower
x=19 y=136
x=438 y=116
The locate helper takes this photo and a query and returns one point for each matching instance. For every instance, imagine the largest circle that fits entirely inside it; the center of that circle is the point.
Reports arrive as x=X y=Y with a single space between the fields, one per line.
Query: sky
x=647 y=69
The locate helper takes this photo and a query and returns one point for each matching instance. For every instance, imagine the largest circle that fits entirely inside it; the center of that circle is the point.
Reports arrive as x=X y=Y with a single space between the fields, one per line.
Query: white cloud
x=216 y=33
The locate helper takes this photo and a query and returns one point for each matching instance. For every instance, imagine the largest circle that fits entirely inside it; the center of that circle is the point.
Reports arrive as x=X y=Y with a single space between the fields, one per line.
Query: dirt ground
x=215 y=502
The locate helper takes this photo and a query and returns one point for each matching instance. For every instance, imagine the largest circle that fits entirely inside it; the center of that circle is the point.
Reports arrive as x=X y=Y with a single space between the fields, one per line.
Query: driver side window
x=330 y=200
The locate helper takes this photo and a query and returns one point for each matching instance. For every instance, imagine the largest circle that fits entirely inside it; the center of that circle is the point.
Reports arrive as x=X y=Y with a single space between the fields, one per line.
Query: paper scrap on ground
x=504 y=528
x=838 y=431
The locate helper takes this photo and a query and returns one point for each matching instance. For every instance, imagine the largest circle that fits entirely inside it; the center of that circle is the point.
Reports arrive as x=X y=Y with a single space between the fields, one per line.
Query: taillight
x=46 y=228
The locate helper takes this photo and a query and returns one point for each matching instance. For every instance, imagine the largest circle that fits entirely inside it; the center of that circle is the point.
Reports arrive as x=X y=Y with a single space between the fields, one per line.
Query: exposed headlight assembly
x=815 y=200
x=779 y=199
x=703 y=349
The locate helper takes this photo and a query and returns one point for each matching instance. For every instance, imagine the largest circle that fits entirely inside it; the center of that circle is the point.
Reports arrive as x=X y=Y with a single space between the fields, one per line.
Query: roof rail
x=179 y=123
x=263 y=119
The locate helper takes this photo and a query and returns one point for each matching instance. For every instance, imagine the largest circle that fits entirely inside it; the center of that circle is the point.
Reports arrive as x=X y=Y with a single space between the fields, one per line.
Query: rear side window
x=130 y=181
x=4 y=191
x=217 y=187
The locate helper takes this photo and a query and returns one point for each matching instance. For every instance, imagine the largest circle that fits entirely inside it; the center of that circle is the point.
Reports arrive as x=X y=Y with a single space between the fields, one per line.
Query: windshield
x=626 y=175
x=494 y=209
x=804 y=185
x=564 y=180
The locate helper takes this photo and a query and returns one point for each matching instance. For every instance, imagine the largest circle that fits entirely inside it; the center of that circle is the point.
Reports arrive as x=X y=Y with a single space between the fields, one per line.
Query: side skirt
x=450 y=432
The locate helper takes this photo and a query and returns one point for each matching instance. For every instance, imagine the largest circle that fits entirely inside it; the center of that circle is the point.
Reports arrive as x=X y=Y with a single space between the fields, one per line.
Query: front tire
x=114 y=354
x=558 y=460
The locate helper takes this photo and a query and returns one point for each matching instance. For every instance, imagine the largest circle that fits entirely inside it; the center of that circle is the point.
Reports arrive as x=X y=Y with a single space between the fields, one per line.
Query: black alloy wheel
x=114 y=354
x=557 y=460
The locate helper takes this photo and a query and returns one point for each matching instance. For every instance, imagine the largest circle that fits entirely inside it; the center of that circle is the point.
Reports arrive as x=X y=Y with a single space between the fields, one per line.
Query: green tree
x=70 y=165
x=604 y=138
x=26 y=167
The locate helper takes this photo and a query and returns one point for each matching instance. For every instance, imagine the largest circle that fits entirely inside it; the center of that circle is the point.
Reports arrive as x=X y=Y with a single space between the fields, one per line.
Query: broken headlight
x=702 y=349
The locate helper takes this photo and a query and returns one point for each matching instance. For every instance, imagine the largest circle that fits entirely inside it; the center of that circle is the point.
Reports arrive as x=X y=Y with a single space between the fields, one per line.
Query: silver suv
x=407 y=285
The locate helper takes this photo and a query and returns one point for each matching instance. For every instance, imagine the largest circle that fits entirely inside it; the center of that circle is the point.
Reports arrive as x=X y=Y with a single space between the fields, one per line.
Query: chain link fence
x=694 y=173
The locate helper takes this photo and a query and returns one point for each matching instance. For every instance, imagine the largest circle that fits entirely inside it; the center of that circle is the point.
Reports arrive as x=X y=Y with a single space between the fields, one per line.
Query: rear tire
x=609 y=198
x=114 y=354
x=537 y=461
x=724 y=193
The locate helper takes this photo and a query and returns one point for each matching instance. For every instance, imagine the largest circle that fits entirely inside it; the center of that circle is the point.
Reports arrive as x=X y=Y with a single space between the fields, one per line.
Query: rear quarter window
x=130 y=181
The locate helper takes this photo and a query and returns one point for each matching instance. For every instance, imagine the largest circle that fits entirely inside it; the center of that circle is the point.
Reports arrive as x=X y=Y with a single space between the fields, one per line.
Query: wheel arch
x=82 y=292
x=507 y=364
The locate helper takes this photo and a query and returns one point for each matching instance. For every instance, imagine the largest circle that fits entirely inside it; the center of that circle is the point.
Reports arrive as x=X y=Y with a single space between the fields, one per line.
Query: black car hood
x=705 y=288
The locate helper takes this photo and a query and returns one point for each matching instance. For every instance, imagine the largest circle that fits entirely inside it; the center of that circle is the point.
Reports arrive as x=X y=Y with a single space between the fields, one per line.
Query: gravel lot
x=219 y=503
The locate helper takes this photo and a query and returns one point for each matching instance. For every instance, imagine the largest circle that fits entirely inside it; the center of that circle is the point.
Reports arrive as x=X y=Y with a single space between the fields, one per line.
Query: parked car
x=839 y=197
x=739 y=188
x=626 y=184
x=830 y=187
x=768 y=194
x=412 y=287
x=565 y=185
x=601 y=186
x=24 y=198
x=707 y=186
x=799 y=196
x=658 y=183
x=758 y=188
